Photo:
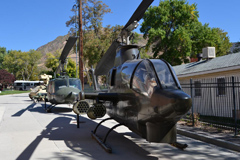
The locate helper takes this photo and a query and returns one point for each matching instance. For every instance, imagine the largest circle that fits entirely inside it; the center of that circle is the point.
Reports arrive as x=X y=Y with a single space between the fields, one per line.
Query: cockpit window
x=75 y=83
x=144 y=79
x=164 y=74
x=60 y=84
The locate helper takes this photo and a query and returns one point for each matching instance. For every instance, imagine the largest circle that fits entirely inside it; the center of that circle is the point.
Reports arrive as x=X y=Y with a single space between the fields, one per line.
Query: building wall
x=209 y=101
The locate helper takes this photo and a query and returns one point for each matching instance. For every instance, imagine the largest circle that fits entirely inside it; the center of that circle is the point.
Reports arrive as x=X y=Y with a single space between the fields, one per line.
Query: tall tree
x=222 y=42
x=175 y=34
x=22 y=64
x=92 y=15
x=95 y=45
x=52 y=63
x=3 y=53
x=204 y=36
x=95 y=37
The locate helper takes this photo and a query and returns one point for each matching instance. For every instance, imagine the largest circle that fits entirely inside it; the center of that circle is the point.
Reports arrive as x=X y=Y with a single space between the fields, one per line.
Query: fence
x=216 y=101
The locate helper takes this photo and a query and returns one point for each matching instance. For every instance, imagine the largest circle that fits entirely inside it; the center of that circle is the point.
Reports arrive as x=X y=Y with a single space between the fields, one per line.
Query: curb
x=211 y=140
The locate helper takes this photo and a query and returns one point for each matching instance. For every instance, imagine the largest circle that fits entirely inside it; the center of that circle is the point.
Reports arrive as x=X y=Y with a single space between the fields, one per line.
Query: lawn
x=6 y=92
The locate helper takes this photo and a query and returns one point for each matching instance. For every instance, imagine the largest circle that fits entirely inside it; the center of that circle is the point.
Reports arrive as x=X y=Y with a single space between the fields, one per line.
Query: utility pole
x=75 y=8
x=80 y=45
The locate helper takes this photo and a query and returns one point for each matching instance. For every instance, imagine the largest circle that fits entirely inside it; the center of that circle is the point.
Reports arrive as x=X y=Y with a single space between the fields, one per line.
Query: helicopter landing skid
x=103 y=142
x=179 y=145
x=49 y=108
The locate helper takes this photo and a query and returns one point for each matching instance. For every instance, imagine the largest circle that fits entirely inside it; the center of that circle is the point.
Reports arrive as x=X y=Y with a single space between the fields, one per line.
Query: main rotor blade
x=70 y=43
x=139 y=12
x=107 y=61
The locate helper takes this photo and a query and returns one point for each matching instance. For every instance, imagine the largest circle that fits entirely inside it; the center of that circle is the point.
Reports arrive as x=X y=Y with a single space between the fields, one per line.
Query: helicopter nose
x=72 y=96
x=183 y=103
x=168 y=102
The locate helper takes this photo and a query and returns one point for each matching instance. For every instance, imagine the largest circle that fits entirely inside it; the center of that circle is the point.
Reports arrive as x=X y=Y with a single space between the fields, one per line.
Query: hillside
x=59 y=43
x=53 y=46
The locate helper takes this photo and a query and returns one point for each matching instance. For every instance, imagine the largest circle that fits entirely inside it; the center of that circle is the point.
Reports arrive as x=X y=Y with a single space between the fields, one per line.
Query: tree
x=96 y=39
x=205 y=36
x=6 y=78
x=52 y=63
x=71 y=68
x=22 y=64
x=175 y=34
x=222 y=42
x=3 y=53
x=92 y=15
x=95 y=45
x=236 y=48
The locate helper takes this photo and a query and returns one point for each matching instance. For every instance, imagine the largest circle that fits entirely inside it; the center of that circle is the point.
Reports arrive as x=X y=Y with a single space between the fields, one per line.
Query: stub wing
x=102 y=96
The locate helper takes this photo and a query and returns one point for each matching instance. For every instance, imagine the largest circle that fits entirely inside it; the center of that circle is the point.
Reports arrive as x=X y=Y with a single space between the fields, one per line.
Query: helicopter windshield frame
x=67 y=82
x=150 y=73
x=144 y=78
x=75 y=83
x=165 y=74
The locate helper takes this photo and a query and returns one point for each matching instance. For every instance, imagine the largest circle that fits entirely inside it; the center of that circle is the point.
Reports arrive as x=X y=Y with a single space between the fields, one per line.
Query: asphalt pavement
x=28 y=132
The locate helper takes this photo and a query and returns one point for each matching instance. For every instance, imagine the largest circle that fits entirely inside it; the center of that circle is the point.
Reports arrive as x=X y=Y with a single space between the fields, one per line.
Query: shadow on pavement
x=80 y=141
x=31 y=108
x=19 y=113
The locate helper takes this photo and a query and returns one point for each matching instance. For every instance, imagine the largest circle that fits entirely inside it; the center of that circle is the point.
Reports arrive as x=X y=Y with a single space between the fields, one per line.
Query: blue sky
x=29 y=24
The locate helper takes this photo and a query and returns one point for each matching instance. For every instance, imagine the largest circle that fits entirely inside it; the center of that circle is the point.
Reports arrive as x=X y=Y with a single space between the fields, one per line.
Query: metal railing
x=216 y=101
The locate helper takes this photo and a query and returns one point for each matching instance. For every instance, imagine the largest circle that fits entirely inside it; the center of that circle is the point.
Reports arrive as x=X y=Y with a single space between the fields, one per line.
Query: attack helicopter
x=143 y=94
x=63 y=90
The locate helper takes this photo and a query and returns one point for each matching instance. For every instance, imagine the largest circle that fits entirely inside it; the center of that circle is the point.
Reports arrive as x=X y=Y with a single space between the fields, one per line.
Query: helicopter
x=143 y=94
x=63 y=90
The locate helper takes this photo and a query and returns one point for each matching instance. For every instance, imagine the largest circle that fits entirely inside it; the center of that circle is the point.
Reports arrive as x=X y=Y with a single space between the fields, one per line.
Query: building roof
x=223 y=63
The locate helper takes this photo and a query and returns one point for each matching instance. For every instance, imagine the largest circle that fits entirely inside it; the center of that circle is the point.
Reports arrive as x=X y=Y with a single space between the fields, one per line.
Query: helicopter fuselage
x=63 y=90
x=146 y=104
x=145 y=96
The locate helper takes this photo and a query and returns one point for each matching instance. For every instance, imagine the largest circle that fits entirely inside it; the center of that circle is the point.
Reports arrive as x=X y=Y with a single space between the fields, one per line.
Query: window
x=164 y=74
x=75 y=83
x=60 y=84
x=19 y=84
x=144 y=79
x=221 y=90
x=197 y=88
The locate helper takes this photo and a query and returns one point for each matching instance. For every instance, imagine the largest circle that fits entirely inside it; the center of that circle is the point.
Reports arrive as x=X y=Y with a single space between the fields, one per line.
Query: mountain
x=59 y=43
x=53 y=46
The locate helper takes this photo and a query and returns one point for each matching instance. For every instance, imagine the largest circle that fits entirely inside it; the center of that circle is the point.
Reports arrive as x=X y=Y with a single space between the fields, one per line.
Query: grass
x=6 y=92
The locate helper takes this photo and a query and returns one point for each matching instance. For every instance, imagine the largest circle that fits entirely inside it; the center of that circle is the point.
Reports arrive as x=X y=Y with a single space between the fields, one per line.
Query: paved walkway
x=28 y=132
x=225 y=139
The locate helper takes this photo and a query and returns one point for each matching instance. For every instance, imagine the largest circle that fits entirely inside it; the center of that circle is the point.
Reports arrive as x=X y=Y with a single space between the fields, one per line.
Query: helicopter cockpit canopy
x=150 y=74
x=62 y=83
x=166 y=74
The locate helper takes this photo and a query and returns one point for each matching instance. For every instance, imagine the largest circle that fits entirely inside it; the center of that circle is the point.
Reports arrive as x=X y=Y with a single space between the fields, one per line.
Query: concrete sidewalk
x=28 y=132
x=224 y=140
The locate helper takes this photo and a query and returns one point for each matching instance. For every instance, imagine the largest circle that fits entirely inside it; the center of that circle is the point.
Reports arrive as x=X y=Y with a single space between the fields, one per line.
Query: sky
x=29 y=24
